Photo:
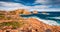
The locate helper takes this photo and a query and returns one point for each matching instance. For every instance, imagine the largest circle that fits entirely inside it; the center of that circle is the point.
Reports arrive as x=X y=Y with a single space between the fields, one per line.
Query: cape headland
x=11 y=21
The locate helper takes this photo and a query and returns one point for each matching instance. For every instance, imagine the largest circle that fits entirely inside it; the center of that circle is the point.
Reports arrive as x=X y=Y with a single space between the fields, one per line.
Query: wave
x=54 y=17
x=46 y=13
x=50 y=22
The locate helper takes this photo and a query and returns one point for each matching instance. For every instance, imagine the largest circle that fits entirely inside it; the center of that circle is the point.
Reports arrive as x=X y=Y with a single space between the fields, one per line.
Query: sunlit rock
x=35 y=12
x=11 y=21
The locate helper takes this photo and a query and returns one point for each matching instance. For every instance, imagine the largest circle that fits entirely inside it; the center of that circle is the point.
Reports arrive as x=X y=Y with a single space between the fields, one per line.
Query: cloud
x=19 y=5
x=49 y=2
x=13 y=6
x=42 y=1
x=10 y=4
x=55 y=2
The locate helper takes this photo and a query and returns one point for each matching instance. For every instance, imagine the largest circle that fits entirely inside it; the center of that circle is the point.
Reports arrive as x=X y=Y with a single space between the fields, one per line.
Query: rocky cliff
x=37 y=26
x=30 y=24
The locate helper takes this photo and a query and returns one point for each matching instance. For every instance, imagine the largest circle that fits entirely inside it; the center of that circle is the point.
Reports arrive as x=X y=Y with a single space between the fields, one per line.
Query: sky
x=39 y=5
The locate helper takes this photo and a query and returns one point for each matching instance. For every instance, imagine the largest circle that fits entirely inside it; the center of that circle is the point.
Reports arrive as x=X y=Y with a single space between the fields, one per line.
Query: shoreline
x=49 y=22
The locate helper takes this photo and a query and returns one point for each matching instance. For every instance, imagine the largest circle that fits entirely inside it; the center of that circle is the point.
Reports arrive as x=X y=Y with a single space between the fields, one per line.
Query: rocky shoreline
x=12 y=19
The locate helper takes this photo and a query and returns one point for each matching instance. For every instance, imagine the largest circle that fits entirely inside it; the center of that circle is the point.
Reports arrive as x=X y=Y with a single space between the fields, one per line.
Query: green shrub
x=14 y=24
x=2 y=16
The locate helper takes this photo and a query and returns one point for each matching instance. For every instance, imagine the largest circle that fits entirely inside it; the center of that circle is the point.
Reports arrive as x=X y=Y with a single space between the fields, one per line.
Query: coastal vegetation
x=1 y=13
x=2 y=17
x=12 y=12
x=14 y=24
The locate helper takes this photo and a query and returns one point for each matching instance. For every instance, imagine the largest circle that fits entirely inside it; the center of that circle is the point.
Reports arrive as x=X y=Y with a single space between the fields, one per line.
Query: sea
x=51 y=18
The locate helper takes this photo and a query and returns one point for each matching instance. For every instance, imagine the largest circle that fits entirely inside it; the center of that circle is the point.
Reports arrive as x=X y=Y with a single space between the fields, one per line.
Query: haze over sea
x=51 y=18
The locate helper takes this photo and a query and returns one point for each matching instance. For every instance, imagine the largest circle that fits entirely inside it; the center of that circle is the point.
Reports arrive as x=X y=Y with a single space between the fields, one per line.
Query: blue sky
x=39 y=5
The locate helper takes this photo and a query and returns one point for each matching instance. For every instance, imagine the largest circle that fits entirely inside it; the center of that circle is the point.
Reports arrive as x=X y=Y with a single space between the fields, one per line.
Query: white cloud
x=48 y=10
x=40 y=6
x=13 y=6
x=42 y=1
x=10 y=4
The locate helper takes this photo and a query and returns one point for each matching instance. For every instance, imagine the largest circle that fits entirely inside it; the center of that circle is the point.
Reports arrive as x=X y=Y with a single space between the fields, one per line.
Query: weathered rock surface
x=35 y=12
x=37 y=26
x=31 y=24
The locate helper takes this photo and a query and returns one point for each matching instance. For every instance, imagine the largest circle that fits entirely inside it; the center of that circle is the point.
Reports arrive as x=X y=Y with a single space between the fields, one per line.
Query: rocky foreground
x=38 y=26
x=11 y=21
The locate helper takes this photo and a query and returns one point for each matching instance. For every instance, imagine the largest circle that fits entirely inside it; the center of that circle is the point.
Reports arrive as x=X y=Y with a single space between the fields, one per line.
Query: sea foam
x=50 y=22
x=54 y=17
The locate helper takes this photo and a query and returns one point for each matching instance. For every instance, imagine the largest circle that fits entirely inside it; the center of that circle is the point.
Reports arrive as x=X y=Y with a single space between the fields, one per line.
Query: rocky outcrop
x=35 y=12
x=26 y=12
x=23 y=11
x=30 y=24
x=37 y=26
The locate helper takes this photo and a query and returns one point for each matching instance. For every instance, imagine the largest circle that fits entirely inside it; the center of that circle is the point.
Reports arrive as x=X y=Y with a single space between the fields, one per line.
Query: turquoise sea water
x=54 y=16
